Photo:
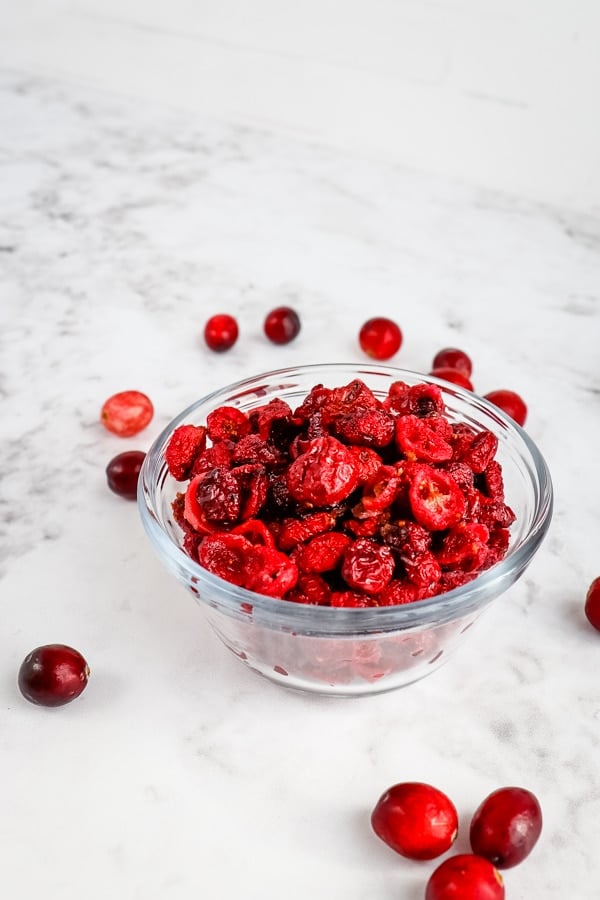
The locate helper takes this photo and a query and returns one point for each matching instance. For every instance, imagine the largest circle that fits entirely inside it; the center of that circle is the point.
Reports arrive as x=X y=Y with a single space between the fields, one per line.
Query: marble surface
x=179 y=773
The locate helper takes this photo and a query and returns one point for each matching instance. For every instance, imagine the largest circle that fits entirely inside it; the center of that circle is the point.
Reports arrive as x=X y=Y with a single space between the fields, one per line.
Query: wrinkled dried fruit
x=416 y=820
x=348 y=500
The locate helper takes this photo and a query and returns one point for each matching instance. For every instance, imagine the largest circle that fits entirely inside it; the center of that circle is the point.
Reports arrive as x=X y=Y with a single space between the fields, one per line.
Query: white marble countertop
x=179 y=773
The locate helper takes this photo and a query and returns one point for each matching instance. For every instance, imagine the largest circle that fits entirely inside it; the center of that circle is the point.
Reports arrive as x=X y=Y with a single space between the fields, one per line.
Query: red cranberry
x=455 y=376
x=452 y=358
x=127 y=413
x=221 y=332
x=592 y=603
x=282 y=325
x=506 y=826
x=465 y=877
x=53 y=675
x=122 y=473
x=380 y=338
x=510 y=403
x=416 y=820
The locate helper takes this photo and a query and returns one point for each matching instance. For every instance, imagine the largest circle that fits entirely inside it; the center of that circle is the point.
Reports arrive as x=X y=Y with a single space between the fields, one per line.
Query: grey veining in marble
x=179 y=773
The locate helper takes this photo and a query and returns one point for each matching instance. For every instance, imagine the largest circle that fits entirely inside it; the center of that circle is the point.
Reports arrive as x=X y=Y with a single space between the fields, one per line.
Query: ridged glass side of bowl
x=348 y=652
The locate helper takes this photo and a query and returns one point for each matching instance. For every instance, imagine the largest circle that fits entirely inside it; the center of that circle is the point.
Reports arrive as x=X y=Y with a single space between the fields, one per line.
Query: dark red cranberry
x=465 y=877
x=123 y=471
x=127 y=413
x=592 y=603
x=282 y=325
x=221 y=332
x=454 y=376
x=452 y=358
x=416 y=820
x=506 y=826
x=53 y=675
x=510 y=403
x=380 y=338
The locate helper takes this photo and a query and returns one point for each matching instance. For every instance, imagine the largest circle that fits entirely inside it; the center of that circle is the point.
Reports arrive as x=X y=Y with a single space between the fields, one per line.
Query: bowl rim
x=333 y=620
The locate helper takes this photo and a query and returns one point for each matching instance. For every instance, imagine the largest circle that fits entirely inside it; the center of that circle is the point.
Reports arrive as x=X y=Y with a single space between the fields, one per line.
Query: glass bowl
x=348 y=652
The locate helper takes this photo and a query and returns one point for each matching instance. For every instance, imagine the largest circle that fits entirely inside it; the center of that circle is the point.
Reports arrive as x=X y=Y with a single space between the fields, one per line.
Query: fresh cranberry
x=506 y=826
x=416 y=820
x=53 y=675
x=127 y=413
x=221 y=332
x=454 y=376
x=465 y=877
x=592 y=603
x=452 y=358
x=123 y=471
x=380 y=338
x=282 y=325
x=510 y=403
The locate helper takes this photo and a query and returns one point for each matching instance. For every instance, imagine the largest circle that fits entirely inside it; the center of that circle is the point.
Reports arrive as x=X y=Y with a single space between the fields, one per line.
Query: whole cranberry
x=380 y=338
x=123 y=471
x=221 y=332
x=127 y=413
x=592 y=603
x=510 y=403
x=416 y=820
x=53 y=675
x=506 y=826
x=455 y=376
x=282 y=325
x=465 y=877
x=453 y=358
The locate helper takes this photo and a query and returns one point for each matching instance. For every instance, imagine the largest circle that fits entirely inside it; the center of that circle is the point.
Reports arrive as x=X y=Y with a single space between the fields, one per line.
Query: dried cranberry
x=592 y=604
x=365 y=428
x=221 y=332
x=185 y=444
x=379 y=492
x=122 y=473
x=452 y=358
x=454 y=376
x=256 y=532
x=213 y=499
x=294 y=531
x=227 y=423
x=421 y=400
x=218 y=455
x=311 y=590
x=416 y=820
x=368 y=463
x=127 y=413
x=324 y=475
x=231 y=557
x=481 y=451
x=464 y=547
x=380 y=338
x=397 y=592
x=275 y=575
x=349 y=398
x=349 y=599
x=506 y=826
x=53 y=675
x=418 y=439
x=367 y=566
x=282 y=325
x=436 y=500
x=264 y=417
x=510 y=403
x=467 y=877
x=253 y=484
x=323 y=552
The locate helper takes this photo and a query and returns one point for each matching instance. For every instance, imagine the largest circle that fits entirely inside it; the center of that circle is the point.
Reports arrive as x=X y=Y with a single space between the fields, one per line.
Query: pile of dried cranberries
x=347 y=501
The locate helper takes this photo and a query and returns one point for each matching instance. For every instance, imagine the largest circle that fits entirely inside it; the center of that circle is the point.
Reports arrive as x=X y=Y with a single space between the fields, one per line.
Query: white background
x=503 y=93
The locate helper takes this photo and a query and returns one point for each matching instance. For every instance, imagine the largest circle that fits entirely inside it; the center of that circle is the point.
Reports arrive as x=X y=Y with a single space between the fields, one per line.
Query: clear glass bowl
x=348 y=652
